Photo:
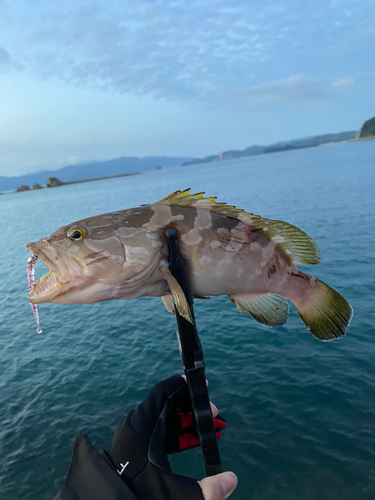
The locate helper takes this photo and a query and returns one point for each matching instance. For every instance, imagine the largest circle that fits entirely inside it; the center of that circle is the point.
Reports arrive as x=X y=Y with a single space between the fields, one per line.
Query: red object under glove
x=190 y=440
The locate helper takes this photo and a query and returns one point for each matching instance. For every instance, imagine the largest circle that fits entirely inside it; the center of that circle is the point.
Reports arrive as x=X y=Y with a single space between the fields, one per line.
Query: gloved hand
x=162 y=424
x=136 y=466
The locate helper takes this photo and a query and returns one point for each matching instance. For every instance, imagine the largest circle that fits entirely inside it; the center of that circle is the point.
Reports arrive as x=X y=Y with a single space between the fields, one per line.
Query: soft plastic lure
x=30 y=280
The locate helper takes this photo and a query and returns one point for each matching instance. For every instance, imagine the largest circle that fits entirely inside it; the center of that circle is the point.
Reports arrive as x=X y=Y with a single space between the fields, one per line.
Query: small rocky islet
x=51 y=182
x=55 y=182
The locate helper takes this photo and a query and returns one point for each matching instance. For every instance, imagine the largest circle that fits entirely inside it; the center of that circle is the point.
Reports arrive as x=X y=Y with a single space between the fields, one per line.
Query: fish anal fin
x=177 y=294
x=169 y=304
x=237 y=303
x=267 y=308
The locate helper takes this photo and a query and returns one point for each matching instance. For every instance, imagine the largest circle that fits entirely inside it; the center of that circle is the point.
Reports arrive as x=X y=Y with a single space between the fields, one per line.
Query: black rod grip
x=193 y=363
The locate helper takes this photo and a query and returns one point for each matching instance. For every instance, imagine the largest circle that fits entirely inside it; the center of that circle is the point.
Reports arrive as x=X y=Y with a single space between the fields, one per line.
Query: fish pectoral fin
x=178 y=295
x=169 y=304
x=267 y=308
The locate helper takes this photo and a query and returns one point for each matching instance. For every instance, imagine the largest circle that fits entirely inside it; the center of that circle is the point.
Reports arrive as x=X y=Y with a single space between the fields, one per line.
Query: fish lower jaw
x=45 y=289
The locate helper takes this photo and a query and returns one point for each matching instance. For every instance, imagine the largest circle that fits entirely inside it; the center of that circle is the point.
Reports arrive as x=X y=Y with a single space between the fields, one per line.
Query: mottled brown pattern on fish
x=220 y=221
x=188 y=224
x=103 y=226
x=189 y=215
x=137 y=217
x=100 y=233
x=58 y=235
x=259 y=238
x=233 y=237
x=271 y=270
x=99 y=259
x=93 y=255
x=123 y=255
x=304 y=276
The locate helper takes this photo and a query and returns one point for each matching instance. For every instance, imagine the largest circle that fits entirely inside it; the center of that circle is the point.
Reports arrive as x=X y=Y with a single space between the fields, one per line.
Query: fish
x=227 y=251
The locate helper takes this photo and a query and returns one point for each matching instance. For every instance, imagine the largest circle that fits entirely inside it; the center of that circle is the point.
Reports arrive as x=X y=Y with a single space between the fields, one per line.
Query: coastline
x=277 y=150
x=73 y=182
x=100 y=178
x=358 y=139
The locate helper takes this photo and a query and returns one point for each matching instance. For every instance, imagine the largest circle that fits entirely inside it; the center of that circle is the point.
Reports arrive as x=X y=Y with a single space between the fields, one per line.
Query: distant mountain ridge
x=90 y=170
x=126 y=165
x=306 y=142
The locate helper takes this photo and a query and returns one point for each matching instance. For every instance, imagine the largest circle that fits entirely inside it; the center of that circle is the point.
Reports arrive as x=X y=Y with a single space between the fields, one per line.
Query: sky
x=94 y=80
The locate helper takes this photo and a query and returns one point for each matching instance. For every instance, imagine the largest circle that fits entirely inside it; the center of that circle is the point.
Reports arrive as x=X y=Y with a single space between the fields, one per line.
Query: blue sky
x=90 y=80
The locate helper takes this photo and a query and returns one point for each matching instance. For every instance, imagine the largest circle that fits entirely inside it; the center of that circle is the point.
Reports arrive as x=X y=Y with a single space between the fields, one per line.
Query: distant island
x=124 y=166
x=93 y=170
x=367 y=132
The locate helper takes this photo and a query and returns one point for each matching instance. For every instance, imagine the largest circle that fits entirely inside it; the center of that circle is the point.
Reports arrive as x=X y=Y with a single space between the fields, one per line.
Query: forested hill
x=368 y=129
x=306 y=142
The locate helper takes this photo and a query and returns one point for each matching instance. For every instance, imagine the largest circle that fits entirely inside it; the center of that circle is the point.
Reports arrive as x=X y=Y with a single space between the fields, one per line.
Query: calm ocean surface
x=301 y=413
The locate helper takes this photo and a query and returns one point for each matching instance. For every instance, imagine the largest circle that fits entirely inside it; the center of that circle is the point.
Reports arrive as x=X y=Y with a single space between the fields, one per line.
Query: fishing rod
x=193 y=363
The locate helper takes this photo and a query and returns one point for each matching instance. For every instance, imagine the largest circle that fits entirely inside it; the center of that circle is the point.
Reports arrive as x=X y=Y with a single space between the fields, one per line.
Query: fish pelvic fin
x=169 y=304
x=178 y=296
x=298 y=245
x=325 y=312
x=267 y=308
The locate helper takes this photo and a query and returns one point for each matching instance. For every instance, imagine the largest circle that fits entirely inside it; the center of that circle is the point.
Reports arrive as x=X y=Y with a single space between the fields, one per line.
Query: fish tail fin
x=325 y=312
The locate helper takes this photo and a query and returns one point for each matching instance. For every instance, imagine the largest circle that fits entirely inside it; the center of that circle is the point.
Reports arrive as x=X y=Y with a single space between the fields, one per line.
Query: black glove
x=162 y=424
x=136 y=466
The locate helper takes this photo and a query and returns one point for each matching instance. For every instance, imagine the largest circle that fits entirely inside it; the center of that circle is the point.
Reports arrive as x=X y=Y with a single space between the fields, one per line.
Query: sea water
x=301 y=413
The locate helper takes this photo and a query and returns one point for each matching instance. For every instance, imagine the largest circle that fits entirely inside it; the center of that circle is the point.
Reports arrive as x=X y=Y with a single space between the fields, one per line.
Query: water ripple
x=300 y=413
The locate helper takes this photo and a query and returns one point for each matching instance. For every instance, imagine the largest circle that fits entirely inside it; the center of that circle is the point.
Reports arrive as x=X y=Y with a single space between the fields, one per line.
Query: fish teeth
x=44 y=284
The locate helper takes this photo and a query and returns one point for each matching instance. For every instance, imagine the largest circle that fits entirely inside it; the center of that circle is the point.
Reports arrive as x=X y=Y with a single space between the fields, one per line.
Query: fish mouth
x=48 y=286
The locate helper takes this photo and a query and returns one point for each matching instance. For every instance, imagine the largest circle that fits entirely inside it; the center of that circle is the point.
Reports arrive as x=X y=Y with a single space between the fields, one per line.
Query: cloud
x=184 y=49
x=71 y=160
x=343 y=82
x=4 y=57
x=294 y=89
x=191 y=50
x=6 y=62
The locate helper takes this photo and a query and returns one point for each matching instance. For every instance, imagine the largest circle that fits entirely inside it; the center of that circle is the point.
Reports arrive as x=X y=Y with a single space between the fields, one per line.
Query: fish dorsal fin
x=298 y=245
x=185 y=199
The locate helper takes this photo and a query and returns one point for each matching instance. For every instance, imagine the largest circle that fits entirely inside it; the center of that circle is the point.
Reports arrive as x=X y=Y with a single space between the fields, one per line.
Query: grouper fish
x=227 y=251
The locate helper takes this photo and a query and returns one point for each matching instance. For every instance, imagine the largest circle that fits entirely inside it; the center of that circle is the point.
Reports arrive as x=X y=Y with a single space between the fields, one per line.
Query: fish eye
x=77 y=233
